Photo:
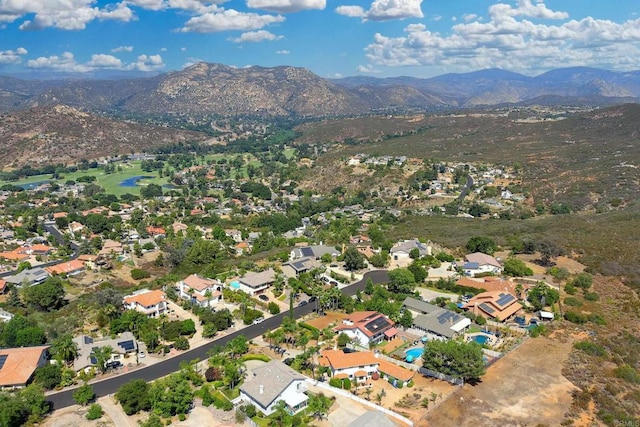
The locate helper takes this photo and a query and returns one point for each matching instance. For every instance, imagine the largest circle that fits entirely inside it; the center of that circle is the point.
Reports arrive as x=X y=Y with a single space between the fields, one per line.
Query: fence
x=365 y=402
x=433 y=374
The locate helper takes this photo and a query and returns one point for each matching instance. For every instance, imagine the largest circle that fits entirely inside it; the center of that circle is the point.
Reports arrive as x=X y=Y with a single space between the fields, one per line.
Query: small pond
x=133 y=181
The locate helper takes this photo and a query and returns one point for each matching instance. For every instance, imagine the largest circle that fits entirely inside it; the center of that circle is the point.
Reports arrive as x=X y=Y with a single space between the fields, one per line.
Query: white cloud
x=384 y=10
x=351 y=11
x=287 y=6
x=197 y=6
x=122 y=49
x=147 y=63
x=256 y=36
x=437 y=18
x=182 y=49
x=367 y=69
x=62 y=14
x=164 y=49
x=510 y=41
x=104 y=61
x=467 y=17
x=12 y=56
x=66 y=62
x=229 y=20
x=283 y=52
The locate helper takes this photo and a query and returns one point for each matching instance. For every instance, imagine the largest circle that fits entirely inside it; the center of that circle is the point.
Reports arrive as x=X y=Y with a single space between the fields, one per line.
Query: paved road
x=465 y=189
x=150 y=373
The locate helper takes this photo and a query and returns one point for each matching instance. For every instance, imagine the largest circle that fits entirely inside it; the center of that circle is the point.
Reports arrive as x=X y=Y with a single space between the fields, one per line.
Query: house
x=75 y=227
x=255 y=283
x=111 y=247
x=3 y=286
x=37 y=249
x=30 y=277
x=242 y=248
x=5 y=316
x=200 y=290
x=70 y=268
x=299 y=266
x=89 y=261
x=121 y=346
x=367 y=327
x=156 y=232
x=402 y=250
x=151 y=303
x=236 y=235
x=17 y=365
x=179 y=228
x=271 y=383
x=359 y=366
x=14 y=255
x=494 y=305
x=479 y=263
x=314 y=252
x=435 y=321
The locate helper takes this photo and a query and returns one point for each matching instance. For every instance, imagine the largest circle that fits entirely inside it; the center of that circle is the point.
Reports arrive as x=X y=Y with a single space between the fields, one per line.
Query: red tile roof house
x=70 y=268
x=360 y=366
x=367 y=327
x=3 y=286
x=494 y=305
x=17 y=365
x=151 y=303
x=195 y=288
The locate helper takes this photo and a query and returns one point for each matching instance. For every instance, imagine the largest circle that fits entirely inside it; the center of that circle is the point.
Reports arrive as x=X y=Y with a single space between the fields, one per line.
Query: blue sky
x=332 y=38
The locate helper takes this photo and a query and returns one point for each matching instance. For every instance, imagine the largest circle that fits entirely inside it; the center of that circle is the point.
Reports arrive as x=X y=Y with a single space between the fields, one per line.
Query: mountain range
x=213 y=89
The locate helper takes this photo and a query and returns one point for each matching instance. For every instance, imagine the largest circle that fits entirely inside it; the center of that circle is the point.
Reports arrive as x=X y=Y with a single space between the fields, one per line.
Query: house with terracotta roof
x=17 y=365
x=57 y=215
x=479 y=263
x=156 y=231
x=367 y=327
x=274 y=382
x=361 y=365
x=152 y=303
x=242 y=248
x=37 y=249
x=494 y=305
x=179 y=228
x=89 y=261
x=3 y=286
x=70 y=268
x=111 y=247
x=14 y=255
x=200 y=290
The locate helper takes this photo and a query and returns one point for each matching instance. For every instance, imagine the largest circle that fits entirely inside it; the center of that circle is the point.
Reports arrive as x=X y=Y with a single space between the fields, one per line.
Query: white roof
x=292 y=397
x=461 y=324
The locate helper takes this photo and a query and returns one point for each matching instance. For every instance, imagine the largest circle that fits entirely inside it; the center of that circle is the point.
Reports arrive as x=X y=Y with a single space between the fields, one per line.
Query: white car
x=142 y=355
x=258 y=320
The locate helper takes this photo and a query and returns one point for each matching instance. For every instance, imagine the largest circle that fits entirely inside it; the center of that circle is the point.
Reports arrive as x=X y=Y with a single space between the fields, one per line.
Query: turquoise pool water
x=413 y=354
x=481 y=339
x=235 y=285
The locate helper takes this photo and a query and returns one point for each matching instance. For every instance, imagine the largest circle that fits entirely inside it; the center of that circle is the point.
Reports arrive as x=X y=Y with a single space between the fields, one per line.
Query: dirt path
x=114 y=411
x=525 y=388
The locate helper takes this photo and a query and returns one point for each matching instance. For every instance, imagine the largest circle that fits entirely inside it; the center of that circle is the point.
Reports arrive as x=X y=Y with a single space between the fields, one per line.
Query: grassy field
x=110 y=182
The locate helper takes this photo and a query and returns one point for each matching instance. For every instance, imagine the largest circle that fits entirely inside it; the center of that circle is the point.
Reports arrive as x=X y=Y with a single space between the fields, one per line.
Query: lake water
x=33 y=185
x=133 y=181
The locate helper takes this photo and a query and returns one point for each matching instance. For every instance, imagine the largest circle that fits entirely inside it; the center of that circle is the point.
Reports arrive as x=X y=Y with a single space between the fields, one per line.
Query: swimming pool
x=413 y=354
x=235 y=284
x=481 y=339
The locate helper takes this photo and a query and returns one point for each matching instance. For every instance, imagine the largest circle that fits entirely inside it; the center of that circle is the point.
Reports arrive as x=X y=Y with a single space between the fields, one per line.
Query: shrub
x=572 y=301
x=182 y=417
x=95 y=412
x=480 y=320
x=273 y=308
x=591 y=296
x=574 y=317
x=570 y=289
x=590 y=348
x=597 y=319
x=212 y=374
x=139 y=274
x=335 y=382
x=538 y=330
x=627 y=373
x=84 y=394
x=181 y=344
x=262 y=357
x=250 y=410
x=343 y=339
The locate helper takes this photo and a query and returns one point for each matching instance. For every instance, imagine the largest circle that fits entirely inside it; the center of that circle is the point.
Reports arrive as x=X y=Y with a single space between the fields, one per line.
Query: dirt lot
x=525 y=388
x=324 y=321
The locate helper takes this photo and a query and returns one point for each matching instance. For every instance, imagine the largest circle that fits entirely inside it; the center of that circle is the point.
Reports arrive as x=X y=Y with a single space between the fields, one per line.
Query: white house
x=121 y=347
x=255 y=283
x=151 y=303
x=361 y=365
x=271 y=383
x=200 y=290
x=367 y=327
x=401 y=250
x=479 y=263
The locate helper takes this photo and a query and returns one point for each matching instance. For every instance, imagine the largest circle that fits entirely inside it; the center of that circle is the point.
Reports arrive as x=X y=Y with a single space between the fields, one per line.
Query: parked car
x=333 y=265
x=313 y=298
x=258 y=320
x=303 y=303
x=263 y=297
x=142 y=354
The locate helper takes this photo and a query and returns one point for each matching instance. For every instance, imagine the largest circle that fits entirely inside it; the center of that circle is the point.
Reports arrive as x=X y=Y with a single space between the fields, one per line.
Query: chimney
x=261 y=389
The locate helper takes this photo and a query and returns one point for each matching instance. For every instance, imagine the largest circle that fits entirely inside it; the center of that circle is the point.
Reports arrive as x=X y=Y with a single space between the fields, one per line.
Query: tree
x=583 y=280
x=64 y=348
x=102 y=355
x=48 y=376
x=418 y=271
x=353 y=259
x=95 y=412
x=171 y=396
x=542 y=295
x=481 y=244
x=458 y=359
x=406 y=319
x=401 y=281
x=46 y=296
x=343 y=339
x=84 y=394
x=273 y=308
x=548 y=251
x=516 y=268
x=134 y=397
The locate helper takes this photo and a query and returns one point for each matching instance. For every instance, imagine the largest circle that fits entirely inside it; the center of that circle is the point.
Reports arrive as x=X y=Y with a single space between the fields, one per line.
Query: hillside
x=207 y=89
x=62 y=134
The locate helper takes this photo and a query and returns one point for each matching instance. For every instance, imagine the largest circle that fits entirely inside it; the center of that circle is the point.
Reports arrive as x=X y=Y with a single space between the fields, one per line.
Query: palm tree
x=102 y=355
x=65 y=348
x=281 y=413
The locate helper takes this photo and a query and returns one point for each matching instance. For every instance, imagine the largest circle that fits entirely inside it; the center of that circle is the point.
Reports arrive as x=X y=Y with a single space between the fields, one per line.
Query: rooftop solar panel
x=306 y=251
x=3 y=358
x=505 y=299
x=127 y=345
x=486 y=308
x=447 y=317
x=377 y=324
x=298 y=265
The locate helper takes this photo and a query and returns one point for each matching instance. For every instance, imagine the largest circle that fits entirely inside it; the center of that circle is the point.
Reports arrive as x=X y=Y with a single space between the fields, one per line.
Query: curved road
x=64 y=398
x=465 y=189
